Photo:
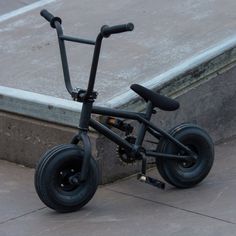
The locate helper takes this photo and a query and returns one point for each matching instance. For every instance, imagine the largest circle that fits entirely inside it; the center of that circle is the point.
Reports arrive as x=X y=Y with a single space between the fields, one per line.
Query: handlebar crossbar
x=77 y=40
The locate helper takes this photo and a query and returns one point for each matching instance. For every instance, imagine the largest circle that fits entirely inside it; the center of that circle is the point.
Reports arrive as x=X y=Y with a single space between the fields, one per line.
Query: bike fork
x=83 y=137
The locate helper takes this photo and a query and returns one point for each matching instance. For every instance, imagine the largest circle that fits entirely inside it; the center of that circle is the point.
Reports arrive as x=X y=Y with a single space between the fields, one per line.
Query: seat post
x=143 y=127
x=149 y=110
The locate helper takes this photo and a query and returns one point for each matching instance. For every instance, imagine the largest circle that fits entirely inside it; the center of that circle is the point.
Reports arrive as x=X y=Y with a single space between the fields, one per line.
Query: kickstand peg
x=151 y=181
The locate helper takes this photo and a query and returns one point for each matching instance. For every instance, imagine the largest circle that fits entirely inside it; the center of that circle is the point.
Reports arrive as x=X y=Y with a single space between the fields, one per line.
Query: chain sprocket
x=123 y=154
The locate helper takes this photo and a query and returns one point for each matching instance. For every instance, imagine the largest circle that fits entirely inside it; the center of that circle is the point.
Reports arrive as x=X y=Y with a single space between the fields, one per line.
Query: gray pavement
x=126 y=207
x=166 y=34
x=11 y=5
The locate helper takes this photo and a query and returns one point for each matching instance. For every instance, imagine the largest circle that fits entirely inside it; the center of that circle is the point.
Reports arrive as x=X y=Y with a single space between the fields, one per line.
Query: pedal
x=151 y=181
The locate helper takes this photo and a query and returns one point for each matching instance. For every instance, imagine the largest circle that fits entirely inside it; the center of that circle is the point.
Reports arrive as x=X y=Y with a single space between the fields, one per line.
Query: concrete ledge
x=40 y=106
x=185 y=76
x=204 y=85
x=26 y=139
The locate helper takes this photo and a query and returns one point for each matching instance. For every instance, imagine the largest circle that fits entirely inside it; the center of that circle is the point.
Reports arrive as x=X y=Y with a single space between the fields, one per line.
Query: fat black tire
x=47 y=179
x=175 y=173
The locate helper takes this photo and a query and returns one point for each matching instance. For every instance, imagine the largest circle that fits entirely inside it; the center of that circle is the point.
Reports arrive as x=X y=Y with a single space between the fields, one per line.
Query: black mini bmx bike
x=66 y=176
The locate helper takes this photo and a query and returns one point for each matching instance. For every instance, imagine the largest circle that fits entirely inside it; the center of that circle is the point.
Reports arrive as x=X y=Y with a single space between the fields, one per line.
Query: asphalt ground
x=167 y=33
x=126 y=207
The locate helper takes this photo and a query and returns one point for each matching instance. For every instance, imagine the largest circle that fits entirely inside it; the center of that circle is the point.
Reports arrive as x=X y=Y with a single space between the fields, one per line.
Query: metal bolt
x=75 y=181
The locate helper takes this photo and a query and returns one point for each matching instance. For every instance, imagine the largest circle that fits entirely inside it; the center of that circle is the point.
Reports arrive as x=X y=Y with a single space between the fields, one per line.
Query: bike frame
x=88 y=96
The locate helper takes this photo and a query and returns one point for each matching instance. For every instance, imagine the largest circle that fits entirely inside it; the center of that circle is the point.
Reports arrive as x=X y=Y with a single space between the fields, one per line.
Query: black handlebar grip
x=106 y=31
x=50 y=18
x=47 y=15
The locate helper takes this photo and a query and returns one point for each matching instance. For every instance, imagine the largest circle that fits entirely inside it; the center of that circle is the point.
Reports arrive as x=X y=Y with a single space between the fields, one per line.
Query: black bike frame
x=88 y=109
x=145 y=126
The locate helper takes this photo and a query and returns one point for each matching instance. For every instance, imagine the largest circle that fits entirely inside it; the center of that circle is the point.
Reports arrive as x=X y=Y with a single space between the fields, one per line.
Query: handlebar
x=106 y=30
x=50 y=18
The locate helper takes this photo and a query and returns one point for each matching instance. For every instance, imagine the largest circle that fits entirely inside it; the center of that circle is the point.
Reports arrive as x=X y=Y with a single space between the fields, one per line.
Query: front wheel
x=186 y=174
x=53 y=174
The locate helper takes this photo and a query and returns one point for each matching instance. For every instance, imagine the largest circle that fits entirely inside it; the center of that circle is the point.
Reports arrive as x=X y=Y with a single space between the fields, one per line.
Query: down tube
x=110 y=134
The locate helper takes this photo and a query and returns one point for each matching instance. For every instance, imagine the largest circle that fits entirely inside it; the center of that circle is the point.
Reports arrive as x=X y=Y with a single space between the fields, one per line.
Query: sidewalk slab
x=17 y=195
x=126 y=207
x=113 y=214
x=213 y=197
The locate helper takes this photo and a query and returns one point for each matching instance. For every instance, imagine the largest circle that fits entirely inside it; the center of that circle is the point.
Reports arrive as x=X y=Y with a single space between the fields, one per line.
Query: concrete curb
x=161 y=80
x=40 y=106
x=67 y=112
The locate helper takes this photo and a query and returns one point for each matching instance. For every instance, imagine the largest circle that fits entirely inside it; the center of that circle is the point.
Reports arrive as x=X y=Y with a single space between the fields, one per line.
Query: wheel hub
x=189 y=163
x=68 y=179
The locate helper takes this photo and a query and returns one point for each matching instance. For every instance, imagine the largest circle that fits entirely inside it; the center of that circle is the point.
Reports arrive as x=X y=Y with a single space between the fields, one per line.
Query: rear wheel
x=53 y=176
x=186 y=174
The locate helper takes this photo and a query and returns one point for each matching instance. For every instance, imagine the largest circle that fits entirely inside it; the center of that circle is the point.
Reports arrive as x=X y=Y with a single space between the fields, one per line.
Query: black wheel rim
x=63 y=174
x=188 y=168
x=189 y=165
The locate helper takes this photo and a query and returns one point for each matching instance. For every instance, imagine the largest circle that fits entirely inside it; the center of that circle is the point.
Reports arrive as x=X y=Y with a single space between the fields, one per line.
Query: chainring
x=123 y=154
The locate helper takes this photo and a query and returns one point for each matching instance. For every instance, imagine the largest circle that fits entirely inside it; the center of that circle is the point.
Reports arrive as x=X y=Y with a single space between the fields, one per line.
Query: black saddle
x=160 y=101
